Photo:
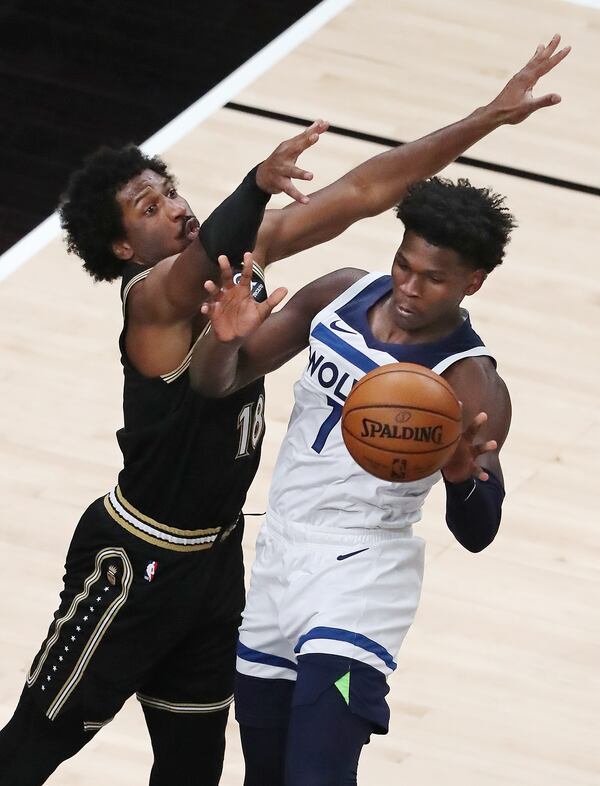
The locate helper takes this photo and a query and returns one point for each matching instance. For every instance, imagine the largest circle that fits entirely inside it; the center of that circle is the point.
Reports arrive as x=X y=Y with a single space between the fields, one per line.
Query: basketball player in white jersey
x=338 y=570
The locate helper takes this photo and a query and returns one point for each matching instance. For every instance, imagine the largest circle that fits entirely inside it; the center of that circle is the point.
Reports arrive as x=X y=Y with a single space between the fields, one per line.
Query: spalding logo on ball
x=401 y=422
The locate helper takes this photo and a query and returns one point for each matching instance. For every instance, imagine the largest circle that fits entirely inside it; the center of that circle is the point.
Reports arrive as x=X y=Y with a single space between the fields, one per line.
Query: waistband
x=163 y=535
x=295 y=532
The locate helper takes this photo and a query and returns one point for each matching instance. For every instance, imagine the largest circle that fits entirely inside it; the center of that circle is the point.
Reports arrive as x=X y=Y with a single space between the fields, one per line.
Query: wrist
x=491 y=116
x=257 y=179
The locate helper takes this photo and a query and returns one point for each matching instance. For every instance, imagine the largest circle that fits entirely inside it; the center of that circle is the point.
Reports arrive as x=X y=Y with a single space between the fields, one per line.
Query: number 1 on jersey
x=251 y=425
x=328 y=424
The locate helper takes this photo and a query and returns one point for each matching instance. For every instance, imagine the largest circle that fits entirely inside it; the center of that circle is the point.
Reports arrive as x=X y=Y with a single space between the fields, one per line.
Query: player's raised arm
x=379 y=183
x=246 y=340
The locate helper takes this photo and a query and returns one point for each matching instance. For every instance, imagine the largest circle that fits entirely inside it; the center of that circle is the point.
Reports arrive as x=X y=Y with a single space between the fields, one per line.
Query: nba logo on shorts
x=151 y=570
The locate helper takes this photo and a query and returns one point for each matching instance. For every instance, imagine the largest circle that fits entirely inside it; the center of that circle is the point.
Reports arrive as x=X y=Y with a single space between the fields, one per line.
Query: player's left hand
x=516 y=100
x=275 y=174
x=232 y=310
x=463 y=464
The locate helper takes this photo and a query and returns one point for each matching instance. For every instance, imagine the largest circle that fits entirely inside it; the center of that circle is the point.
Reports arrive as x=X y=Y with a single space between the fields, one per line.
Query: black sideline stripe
x=381 y=140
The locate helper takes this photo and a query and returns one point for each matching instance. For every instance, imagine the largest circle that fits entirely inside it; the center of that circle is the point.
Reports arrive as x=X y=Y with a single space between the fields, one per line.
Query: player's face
x=429 y=284
x=158 y=221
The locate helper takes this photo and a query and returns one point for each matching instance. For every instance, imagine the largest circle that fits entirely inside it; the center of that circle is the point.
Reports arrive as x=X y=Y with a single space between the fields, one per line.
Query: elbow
x=475 y=542
x=477 y=547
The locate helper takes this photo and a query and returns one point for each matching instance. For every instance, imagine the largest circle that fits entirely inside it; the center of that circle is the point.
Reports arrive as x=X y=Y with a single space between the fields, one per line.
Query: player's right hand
x=233 y=312
x=275 y=174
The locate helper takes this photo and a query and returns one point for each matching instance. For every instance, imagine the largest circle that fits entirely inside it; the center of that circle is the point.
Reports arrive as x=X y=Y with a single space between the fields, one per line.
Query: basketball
x=401 y=422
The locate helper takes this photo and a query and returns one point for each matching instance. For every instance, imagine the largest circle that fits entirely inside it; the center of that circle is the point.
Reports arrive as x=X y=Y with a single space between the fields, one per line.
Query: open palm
x=233 y=312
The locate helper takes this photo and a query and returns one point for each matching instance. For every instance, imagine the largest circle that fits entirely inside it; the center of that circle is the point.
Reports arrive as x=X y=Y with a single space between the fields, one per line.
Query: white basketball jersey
x=316 y=482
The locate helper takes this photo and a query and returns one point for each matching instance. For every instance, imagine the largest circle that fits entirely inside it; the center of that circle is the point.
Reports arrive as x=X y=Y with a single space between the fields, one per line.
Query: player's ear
x=122 y=250
x=476 y=280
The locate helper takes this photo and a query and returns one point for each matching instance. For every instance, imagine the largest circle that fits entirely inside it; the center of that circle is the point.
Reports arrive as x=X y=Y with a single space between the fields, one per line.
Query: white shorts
x=348 y=593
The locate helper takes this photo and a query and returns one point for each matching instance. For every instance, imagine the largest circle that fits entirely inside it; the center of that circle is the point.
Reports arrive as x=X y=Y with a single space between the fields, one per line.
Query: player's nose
x=176 y=209
x=411 y=286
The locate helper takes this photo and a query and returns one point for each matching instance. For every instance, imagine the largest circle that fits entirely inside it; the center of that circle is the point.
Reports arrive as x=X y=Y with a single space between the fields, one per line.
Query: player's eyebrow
x=142 y=195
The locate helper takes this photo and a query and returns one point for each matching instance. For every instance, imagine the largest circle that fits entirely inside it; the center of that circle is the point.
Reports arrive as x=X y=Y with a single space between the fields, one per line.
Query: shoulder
x=325 y=289
x=142 y=294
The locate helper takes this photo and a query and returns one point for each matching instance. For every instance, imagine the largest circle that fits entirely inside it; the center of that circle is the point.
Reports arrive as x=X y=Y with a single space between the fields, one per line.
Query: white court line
x=49 y=229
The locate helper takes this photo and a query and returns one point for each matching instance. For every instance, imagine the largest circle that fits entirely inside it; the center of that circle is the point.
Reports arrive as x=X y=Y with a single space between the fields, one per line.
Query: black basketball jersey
x=188 y=460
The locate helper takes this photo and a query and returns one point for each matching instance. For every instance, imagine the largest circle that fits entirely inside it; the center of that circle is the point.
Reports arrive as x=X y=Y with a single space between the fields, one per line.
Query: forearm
x=215 y=366
x=474 y=511
x=383 y=180
x=231 y=229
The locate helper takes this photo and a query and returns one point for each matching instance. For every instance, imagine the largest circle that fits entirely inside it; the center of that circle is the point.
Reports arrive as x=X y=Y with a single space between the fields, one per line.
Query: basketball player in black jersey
x=153 y=587
x=154 y=579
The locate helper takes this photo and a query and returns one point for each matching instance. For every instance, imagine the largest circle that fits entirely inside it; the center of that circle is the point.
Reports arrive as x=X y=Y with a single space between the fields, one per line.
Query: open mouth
x=191 y=228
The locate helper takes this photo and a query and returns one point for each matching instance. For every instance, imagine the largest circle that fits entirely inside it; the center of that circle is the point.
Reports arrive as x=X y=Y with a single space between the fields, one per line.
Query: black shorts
x=137 y=618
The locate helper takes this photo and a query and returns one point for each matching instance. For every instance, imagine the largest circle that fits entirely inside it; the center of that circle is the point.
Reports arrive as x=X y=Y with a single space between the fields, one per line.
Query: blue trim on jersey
x=332 y=340
x=357 y=639
x=256 y=656
x=355 y=314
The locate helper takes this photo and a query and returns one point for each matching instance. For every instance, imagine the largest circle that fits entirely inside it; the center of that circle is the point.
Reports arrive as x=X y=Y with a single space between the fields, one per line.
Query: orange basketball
x=401 y=422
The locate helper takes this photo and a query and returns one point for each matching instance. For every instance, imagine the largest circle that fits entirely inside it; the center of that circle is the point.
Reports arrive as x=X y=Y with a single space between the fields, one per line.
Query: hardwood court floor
x=498 y=680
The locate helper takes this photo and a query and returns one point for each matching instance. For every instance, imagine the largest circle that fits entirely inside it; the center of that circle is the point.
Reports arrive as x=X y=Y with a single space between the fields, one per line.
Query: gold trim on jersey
x=162 y=535
x=99 y=631
x=130 y=284
x=96 y=725
x=184 y=708
x=183 y=366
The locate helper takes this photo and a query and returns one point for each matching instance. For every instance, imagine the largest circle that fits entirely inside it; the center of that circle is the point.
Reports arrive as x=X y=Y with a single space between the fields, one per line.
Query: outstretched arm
x=246 y=341
x=380 y=183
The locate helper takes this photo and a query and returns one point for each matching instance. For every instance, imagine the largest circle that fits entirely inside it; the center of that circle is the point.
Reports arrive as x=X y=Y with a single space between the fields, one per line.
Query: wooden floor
x=498 y=681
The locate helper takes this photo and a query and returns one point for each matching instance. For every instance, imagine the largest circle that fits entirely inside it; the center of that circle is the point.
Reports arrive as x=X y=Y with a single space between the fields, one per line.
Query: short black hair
x=472 y=221
x=89 y=212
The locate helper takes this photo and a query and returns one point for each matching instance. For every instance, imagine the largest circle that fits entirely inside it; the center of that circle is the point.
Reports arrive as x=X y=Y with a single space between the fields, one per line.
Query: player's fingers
x=486 y=447
x=309 y=136
x=276 y=297
x=550 y=48
x=291 y=190
x=471 y=431
x=247 y=267
x=212 y=289
x=546 y=64
x=226 y=272
x=550 y=99
x=300 y=174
